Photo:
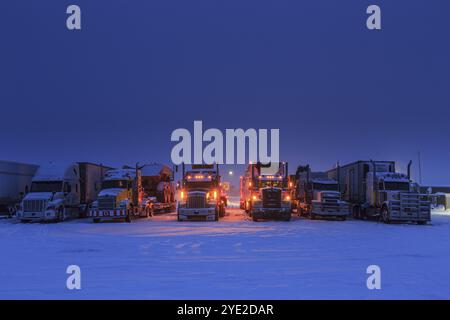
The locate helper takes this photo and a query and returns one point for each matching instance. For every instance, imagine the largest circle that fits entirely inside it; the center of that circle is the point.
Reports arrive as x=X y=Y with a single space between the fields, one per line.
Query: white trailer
x=15 y=182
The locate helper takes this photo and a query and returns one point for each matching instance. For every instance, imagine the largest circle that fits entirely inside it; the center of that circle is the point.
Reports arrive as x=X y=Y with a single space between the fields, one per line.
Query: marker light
x=288 y=198
x=182 y=195
x=255 y=197
x=215 y=195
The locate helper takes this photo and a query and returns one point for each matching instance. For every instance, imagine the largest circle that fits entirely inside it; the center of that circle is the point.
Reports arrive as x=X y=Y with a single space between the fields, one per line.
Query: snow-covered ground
x=235 y=258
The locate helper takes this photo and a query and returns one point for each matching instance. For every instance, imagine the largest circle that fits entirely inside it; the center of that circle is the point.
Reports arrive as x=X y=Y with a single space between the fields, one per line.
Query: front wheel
x=385 y=215
x=128 y=217
x=356 y=212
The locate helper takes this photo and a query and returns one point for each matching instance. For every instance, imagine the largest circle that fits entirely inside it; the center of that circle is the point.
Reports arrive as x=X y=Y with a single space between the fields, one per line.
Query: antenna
x=420 y=168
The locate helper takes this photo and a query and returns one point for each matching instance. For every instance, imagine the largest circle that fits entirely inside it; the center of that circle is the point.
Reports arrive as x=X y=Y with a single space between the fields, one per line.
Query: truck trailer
x=375 y=190
x=158 y=187
x=61 y=191
x=265 y=195
x=316 y=195
x=121 y=197
x=15 y=182
x=201 y=197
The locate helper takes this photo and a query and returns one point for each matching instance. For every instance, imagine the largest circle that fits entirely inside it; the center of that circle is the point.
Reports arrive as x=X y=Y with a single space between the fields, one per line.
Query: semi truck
x=158 y=188
x=265 y=195
x=15 y=182
x=61 y=191
x=121 y=197
x=375 y=190
x=201 y=195
x=316 y=195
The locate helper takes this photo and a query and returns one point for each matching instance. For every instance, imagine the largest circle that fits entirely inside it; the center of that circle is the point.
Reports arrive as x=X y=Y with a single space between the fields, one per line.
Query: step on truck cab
x=316 y=195
x=265 y=192
x=15 y=183
x=375 y=190
x=61 y=191
x=121 y=197
x=201 y=196
x=158 y=187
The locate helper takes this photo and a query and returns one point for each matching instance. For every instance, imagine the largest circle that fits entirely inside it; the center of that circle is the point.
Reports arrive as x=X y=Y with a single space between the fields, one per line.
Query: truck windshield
x=115 y=184
x=403 y=186
x=325 y=186
x=46 y=186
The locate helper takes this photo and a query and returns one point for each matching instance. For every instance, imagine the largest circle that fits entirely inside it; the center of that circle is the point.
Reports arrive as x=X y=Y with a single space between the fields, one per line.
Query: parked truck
x=61 y=191
x=15 y=182
x=318 y=196
x=265 y=195
x=375 y=190
x=158 y=188
x=201 y=194
x=121 y=197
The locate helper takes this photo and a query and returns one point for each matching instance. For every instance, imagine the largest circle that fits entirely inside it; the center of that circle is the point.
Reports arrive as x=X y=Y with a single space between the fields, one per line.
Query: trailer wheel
x=385 y=215
x=421 y=223
x=96 y=220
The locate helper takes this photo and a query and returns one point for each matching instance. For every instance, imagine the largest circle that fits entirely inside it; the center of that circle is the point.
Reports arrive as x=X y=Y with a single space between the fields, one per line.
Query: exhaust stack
x=409 y=169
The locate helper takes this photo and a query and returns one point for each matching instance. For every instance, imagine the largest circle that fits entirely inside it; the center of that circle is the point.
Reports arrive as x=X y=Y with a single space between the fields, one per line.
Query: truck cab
x=201 y=194
x=318 y=195
x=120 y=197
x=394 y=194
x=54 y=194
x=266 y=196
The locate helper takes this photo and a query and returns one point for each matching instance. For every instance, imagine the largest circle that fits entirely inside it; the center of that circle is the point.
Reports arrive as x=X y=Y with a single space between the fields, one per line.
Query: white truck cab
x=54 y=194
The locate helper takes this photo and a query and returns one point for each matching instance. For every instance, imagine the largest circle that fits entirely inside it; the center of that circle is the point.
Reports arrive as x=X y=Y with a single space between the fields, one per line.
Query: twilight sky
x=114 y=91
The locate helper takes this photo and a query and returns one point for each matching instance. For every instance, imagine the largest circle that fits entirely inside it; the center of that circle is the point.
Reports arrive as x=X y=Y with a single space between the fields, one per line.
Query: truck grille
x=106 y=203
x=330 y=198
x=411 y=205
x=196 y=200
x=33 y=205
x=271 y=198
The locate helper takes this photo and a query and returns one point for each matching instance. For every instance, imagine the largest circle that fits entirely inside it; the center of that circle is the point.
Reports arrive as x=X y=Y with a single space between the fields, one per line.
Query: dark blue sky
x=114 y=91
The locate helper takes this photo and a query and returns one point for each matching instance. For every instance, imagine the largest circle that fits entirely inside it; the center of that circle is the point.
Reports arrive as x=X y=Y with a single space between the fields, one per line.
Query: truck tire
x=287 y=218
x=421 y=223
x=254 y=218
x=60 y=215
x=356 y=212
x=222 y=211
x=128 y=217
x=385 y=215
x=96 y=220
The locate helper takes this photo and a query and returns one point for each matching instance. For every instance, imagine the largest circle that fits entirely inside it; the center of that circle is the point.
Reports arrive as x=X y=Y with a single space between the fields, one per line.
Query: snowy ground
x=236 y=258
